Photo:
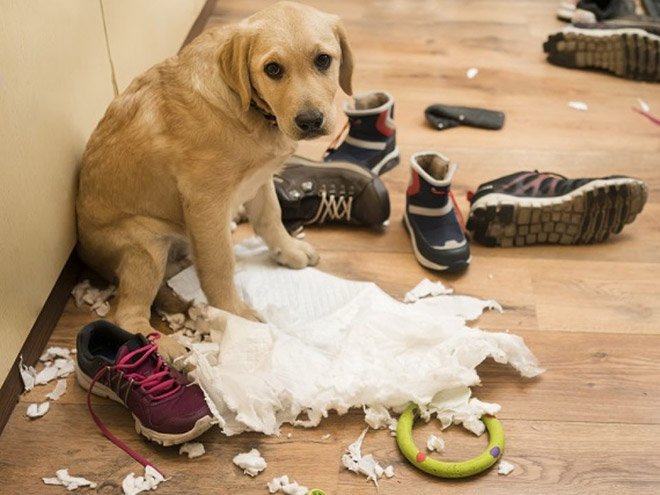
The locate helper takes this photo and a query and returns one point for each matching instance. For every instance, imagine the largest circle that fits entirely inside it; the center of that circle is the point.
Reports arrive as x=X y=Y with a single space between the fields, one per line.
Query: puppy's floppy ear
x=346 y=66
x=235 y=64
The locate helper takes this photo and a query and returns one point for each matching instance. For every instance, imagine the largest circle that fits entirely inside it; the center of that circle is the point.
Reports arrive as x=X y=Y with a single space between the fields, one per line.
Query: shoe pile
x=609 y=35
x=345 y=187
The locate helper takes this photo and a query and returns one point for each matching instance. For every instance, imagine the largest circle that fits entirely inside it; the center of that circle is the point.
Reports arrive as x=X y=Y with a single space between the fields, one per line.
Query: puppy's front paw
x=173 y=352
x=239 y=308
x=296 y=254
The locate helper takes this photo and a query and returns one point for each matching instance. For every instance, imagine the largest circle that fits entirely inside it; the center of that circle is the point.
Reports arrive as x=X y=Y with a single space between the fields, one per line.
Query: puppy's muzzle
x=310 y=122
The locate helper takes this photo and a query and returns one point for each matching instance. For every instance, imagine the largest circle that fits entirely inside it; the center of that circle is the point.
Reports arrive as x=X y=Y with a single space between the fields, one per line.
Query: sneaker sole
x=627 y=52
x=585 y=216
x=431 y=265
x=165 y=439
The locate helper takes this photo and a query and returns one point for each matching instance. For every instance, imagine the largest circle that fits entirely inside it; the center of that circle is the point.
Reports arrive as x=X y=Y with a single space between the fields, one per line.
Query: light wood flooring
x=591 y=314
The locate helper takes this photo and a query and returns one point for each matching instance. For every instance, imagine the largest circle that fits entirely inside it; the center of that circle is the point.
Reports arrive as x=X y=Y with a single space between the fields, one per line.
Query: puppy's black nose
x=309 y=120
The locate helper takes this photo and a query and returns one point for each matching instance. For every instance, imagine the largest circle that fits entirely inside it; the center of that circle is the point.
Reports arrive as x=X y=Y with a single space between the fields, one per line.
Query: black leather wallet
x=445 y=117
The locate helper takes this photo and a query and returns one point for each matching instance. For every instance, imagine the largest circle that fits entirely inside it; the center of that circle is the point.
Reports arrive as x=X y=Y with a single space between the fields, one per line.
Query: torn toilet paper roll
x=334 y=344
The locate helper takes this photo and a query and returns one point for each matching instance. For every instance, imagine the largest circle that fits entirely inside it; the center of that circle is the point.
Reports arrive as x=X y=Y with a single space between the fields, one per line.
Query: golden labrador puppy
x=195 y=137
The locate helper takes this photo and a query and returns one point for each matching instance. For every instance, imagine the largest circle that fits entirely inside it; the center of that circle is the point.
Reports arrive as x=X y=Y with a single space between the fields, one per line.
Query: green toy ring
x=463 y=469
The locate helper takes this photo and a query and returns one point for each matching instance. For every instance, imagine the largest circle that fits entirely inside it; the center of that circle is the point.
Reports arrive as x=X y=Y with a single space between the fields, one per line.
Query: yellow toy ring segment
x=462 y=469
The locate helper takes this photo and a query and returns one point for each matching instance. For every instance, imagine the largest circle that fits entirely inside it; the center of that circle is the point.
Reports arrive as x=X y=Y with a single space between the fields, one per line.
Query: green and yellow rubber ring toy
x=462 y=469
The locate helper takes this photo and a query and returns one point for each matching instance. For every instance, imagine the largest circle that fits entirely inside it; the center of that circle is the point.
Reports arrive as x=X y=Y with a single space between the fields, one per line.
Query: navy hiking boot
x=371 y=138
x=534 y=208
x=432 y=217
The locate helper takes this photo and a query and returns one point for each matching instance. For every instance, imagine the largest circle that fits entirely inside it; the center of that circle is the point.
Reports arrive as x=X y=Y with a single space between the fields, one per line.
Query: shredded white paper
x=434 y=443
x=379 y=417
x=357 y=345
x=326 y=436
x=28 y=375
x=367 y=464
x=283 y=485
x=504 y=467
x=37 y=410
x=578 y=105
x=389 y=471
x=251 y=462
x=472 y=72
x=645 y=107
x=426 y=288
x=59 y=368
x=96 y=299
x=132 y=485
x=70 y=482
x=55 y=352
x=47 y=374
x=192 y=449
x=58 y=391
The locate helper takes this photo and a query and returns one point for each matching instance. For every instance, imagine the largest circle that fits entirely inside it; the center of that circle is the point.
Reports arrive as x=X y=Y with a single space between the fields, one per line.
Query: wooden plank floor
x=591 y=314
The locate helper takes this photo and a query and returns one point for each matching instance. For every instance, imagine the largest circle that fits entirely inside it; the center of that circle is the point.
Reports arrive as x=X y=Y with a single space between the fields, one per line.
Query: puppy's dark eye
x=323 y=61
x=273 y=70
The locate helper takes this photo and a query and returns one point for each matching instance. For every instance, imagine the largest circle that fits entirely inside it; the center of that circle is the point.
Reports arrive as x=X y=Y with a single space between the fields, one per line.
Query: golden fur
x=182 y=148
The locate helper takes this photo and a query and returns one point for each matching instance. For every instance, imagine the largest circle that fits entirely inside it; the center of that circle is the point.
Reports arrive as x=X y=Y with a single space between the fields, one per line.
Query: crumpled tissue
x=334 y=344
x=252 y=463
x=282 y=484
x=192 y=449
x=367 y=464
x=132 y=485
x=70 y=482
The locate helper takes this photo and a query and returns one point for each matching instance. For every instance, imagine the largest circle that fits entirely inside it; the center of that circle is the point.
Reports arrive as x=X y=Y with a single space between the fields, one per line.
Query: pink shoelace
x=159 y=385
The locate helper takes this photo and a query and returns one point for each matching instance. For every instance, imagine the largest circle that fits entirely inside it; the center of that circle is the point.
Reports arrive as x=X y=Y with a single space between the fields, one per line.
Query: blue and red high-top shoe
x=432 y=217
x=371 y=138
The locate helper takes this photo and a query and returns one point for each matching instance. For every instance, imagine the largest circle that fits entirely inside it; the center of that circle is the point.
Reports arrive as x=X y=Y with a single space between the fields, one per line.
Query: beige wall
x=55 y=82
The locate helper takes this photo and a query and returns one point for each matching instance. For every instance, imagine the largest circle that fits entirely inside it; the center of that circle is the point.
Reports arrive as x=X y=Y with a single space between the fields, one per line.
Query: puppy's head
x=290 y=59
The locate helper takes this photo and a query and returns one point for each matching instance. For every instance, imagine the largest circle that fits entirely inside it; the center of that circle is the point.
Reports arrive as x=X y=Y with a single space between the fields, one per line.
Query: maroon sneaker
x=127 y=368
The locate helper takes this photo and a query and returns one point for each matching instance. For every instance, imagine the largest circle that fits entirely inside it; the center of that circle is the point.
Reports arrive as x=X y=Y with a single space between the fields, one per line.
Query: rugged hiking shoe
x=589 y=11
x=341 y=192
x=126 y=368
x=371 y=138
x=627 y=48
x=533 y=208
x=432 y=217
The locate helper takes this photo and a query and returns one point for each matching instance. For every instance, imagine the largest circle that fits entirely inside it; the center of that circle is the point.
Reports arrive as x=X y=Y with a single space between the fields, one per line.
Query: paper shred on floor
x=578 y=105
x=192 y=449
x=70 y=482
x=504 y=467
x=28 y=375
x=426 y=288
x=58 y=391
x=132 y=485
x=472 y=72
x=37 y=410
x=282 y=484
x=65 y=367
x=379 y=417
x=389 y=471
x=434 y=443
x=251 y=462
x=47 y=374
x=362 y=464
x=55 y=352
x=645 y=107
x=326 y=436
x=96 y=299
